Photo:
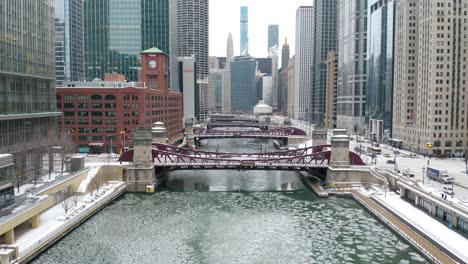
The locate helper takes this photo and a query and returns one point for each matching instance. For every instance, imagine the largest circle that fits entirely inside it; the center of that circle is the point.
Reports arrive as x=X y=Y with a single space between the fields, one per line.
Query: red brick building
x=101 y=114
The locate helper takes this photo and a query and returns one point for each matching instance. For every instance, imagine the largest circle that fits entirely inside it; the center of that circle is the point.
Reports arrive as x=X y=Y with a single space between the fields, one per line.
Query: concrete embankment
x=42 y=244
x=425 y=246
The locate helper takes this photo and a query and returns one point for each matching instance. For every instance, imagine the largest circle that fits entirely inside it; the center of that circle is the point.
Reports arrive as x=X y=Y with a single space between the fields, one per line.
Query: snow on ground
x=52 y=219
x=455 y=167
x=451 y=240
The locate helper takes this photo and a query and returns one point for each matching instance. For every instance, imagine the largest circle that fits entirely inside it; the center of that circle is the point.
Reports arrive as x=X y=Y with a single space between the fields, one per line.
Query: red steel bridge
x=230 y=123
x=174 y=158
x=281 y=133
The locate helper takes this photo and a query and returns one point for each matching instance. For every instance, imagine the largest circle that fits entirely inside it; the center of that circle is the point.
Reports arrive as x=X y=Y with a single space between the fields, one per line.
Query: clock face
x=152 y=64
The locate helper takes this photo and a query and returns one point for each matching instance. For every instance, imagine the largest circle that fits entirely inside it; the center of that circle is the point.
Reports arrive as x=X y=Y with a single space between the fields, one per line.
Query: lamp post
x=423 y=171
x=123 y=140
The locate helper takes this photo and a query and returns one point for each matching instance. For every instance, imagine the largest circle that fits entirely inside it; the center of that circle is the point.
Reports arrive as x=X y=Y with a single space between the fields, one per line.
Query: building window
x=96 y=97
x=82 y=97
x=111 y=114
x=110 y=97
x=97 y=138
x=69 y=97
x=96 y=105
x=110 y=105
x=68 y=105
x=58 y=97
x=68 y=113
x=83 y=138
x=96 y=113
x=110 y=130
x=83 y=121
x=83 y=113
x=82 y=105
x=97 y=130
x=97 y=122
x=111 y=122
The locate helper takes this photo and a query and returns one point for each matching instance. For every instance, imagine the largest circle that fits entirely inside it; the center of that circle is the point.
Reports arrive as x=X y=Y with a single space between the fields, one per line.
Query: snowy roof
x=152 y=50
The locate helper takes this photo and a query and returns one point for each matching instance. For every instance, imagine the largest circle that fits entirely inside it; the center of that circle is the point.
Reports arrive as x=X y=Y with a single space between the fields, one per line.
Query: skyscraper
x=285 y=55
x=193 y=39
x=69 y=41
x=27 y=90
x=303 y=61
x=325 y=40
x=430 y=92
x=273 y=31
x=243 y=92
x=229 y=51
x=244 y=31
x=331 y=91
x=352 y=45
x=379 y=81
x=283 y=78
x=116 y=31
x=273 y=54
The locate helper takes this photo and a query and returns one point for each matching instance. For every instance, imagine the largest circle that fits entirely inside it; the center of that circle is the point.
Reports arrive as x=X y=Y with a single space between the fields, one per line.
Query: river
x=232 y=217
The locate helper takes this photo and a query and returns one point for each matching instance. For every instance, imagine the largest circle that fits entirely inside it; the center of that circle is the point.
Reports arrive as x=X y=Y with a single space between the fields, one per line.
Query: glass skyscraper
x=116 y=31
x=273 y=33
x=244 y=31
x=27 y=83
x=69 y=41
x=243 y=90
x=379 y=84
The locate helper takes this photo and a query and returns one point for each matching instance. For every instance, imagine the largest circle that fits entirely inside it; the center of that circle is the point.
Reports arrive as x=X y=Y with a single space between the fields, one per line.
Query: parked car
x=408 y=173
x=448 y=190
x=396 y=152
x=386 y=155
x=390 y=161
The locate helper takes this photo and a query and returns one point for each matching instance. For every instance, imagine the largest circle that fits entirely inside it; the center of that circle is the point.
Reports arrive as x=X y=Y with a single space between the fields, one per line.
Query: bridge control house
x=100 y=116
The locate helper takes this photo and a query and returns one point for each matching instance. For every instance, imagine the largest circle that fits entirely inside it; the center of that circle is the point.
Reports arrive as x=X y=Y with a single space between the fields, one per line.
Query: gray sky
x=225 y=16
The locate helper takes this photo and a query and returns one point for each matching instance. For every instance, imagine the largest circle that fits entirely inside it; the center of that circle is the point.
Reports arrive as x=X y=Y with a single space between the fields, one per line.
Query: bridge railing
x=167 y=158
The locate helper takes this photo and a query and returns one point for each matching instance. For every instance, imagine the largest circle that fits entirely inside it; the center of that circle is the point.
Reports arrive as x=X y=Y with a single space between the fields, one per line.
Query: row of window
x=86 y=113
x=86 y=122
x=70 y=97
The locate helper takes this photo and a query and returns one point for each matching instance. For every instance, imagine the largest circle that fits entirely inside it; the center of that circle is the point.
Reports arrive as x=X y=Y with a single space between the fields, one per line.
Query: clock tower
x=154 y=69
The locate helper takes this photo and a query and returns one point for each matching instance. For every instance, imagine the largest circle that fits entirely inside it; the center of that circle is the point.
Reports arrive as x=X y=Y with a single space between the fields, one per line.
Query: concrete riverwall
x=42 y=244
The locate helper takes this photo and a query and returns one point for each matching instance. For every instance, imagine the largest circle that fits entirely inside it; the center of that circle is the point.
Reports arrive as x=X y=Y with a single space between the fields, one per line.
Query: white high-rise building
x=303 y=61
x=273 y=54
x=192 y=38
x=187 y=84
x=229 y=51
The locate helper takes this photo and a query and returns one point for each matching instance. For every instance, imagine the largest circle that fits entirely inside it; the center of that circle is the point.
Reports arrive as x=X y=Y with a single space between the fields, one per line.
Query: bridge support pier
x=141 y=173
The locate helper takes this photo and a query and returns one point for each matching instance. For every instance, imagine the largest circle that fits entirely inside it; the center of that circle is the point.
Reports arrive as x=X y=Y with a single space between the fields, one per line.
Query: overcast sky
x=225 y=16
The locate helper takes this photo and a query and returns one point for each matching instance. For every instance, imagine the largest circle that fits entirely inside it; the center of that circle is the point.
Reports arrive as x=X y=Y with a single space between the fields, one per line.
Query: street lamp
x=123 y=140
x=423 y=171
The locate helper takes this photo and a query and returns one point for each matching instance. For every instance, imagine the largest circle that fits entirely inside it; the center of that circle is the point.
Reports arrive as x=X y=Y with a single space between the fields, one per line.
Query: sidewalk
x=425 y=244
x=426 y=224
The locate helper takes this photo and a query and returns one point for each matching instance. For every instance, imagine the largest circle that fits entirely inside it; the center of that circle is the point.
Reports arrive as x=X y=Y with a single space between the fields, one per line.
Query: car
x=408 y=173
x=386 y=155
x=390 y=161
x=396 y=152
x=448 y=190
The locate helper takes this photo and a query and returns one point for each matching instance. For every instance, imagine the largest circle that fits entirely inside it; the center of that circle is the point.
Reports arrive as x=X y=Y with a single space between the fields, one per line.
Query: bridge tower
x=339 y=148
x=189 y=132
x=159 y=133
x=141 y=173
x=319 y=136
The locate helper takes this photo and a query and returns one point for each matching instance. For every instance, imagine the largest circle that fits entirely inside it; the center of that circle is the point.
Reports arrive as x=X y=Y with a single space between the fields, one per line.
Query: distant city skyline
x=224 y=18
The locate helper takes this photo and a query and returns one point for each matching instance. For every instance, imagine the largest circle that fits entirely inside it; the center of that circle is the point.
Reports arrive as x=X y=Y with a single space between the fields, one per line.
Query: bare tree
x=76 y=198
x=67 y=204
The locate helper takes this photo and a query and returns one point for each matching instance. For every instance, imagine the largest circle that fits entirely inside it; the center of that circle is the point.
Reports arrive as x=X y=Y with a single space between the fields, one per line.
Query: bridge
x=290 y=135
x=174 y=158
x=262 y=126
